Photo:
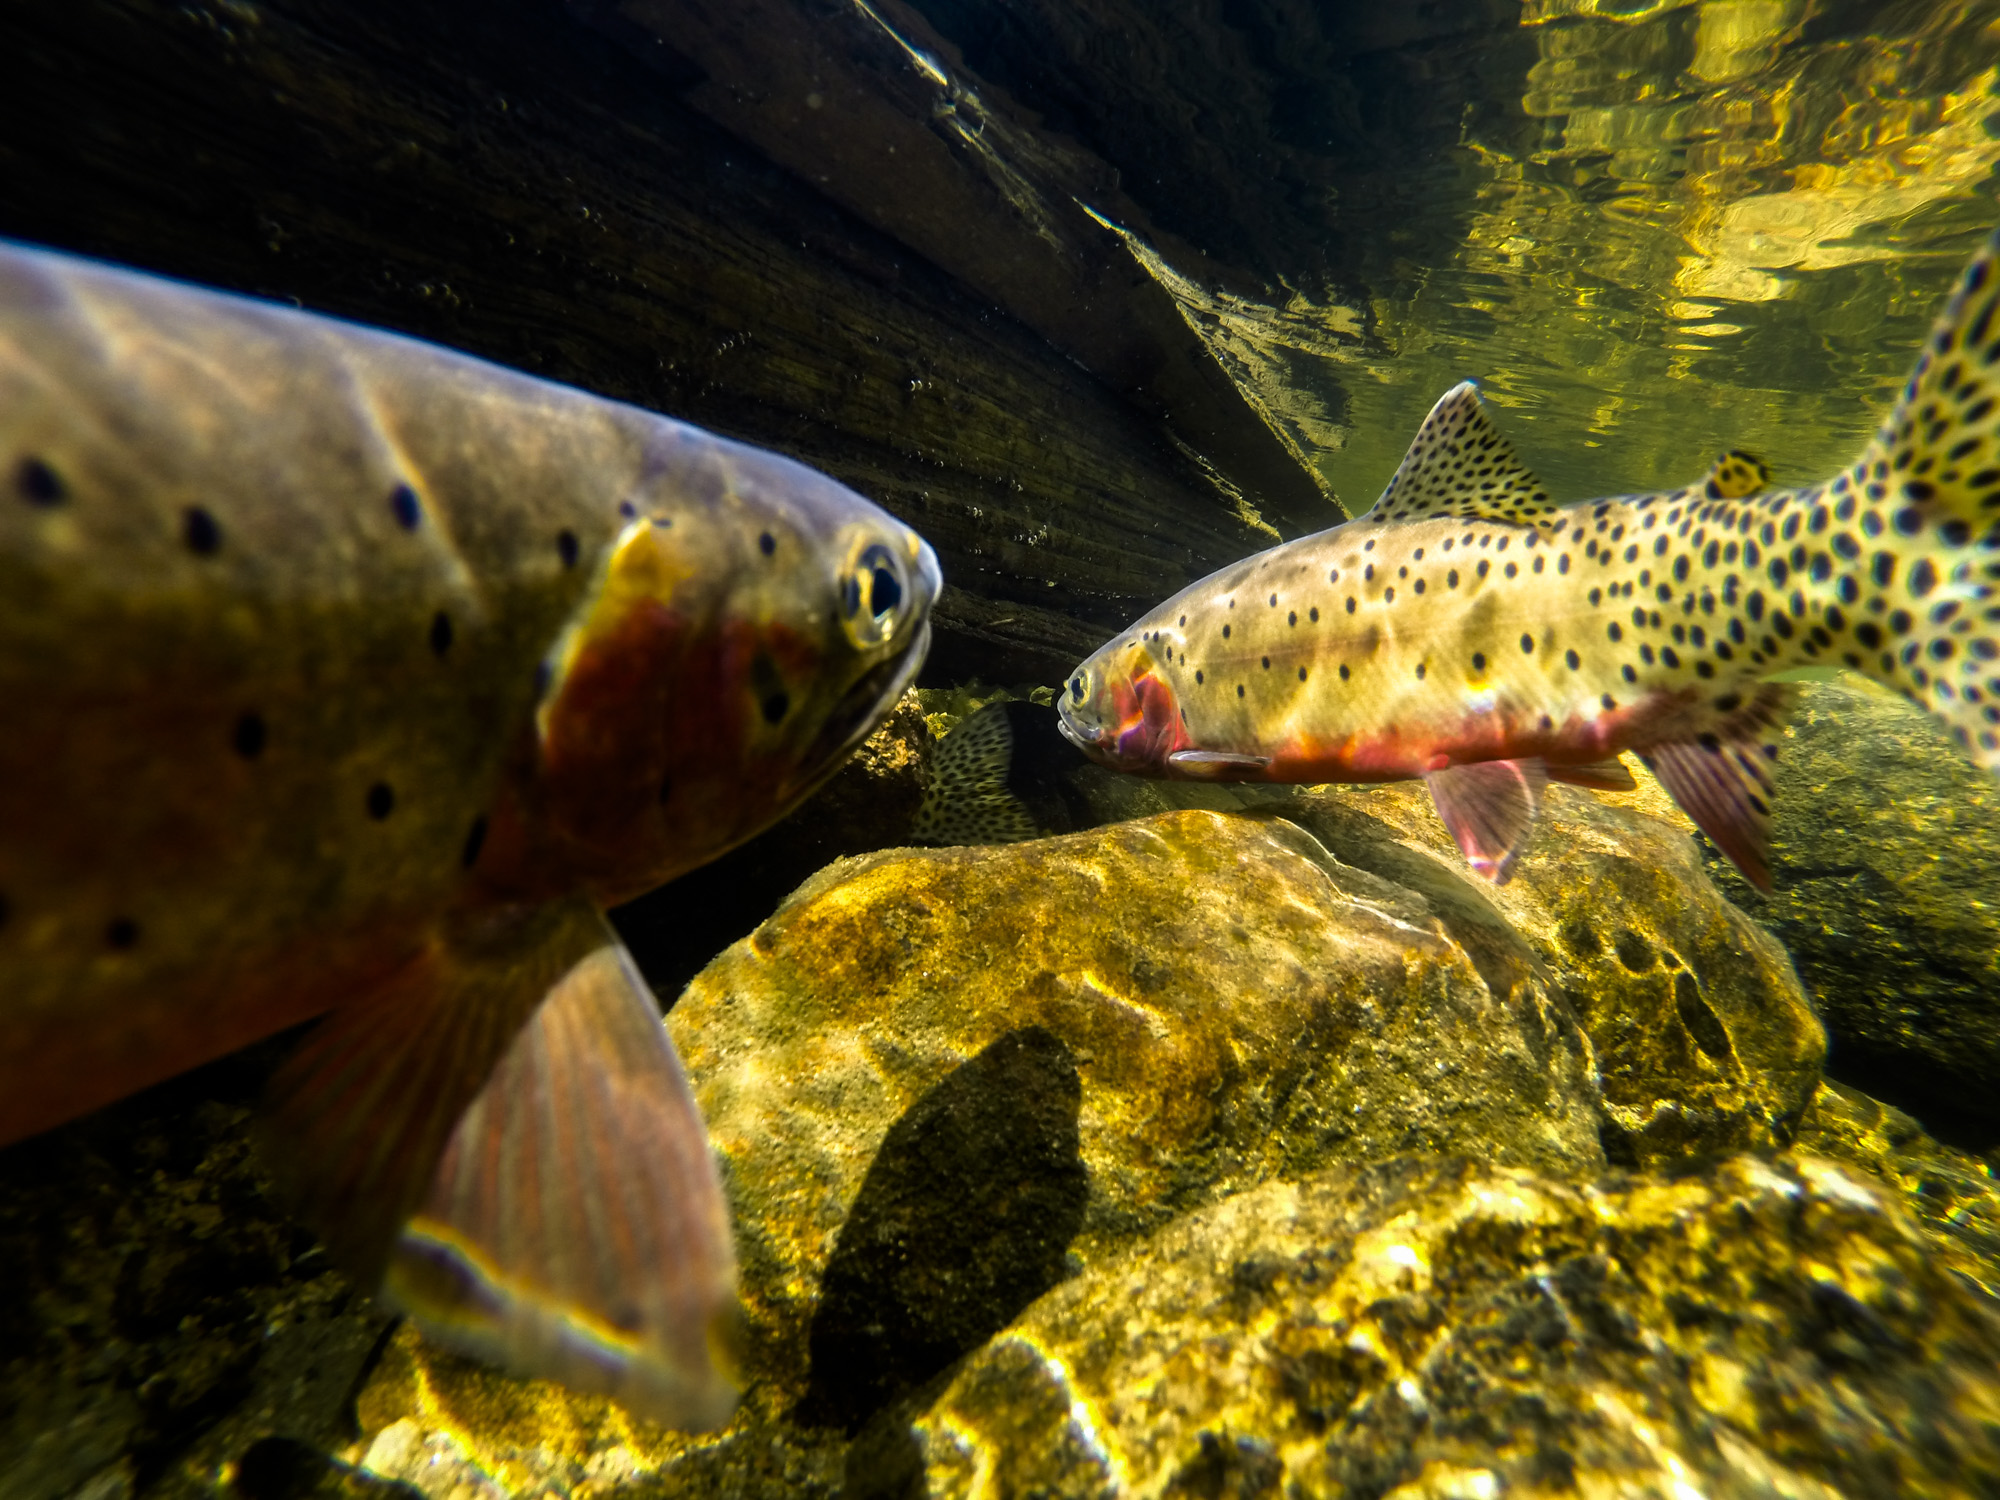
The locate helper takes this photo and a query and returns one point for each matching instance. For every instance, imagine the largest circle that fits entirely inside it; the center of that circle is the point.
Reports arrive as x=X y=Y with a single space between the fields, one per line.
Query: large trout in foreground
x=1470 y=632
x=343 y=676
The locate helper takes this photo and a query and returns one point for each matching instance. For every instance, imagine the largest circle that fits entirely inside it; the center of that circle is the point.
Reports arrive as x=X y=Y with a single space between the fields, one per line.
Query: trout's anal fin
x=1215 y=762
x=1489 y=806
x=1735 y=475
x=1723 y=779
x=498 y=1134
x=576 y=1228
x=1460 y=465
x=1609 y=775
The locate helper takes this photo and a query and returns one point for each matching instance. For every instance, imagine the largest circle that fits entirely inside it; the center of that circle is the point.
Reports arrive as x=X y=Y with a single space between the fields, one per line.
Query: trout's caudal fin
x=1921 y=581
x=500 y=1136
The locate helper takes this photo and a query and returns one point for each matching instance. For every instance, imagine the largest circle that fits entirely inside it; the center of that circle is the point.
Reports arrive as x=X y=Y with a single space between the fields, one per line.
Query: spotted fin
x=1460 y=465
x=1489 y=808
x=1722 y=779
x=1939 y=450
x=576 y=1228
x=1735 y=475
x=1599 y=775
x=359 y=1119
x=969 y=801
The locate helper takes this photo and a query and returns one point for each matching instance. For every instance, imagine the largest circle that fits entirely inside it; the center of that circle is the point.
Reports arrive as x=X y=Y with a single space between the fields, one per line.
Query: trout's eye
x=872 y=592
x=1079 y=687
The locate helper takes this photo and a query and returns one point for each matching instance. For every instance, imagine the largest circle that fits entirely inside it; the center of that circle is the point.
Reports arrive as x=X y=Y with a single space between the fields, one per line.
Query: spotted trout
x=349 y=678
x=1468 y=631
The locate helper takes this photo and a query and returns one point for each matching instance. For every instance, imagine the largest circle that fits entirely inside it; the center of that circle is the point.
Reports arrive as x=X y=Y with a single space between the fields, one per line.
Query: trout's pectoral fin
x=498 y=1134
x=1722 y=779
x=1215 y=762
x=576 y=1228
x=1609 y=775
x=1489 y=808
x=1459 y=464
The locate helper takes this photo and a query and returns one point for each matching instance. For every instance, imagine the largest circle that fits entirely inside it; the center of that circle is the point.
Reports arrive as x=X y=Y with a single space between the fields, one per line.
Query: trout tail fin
x=1923 y=551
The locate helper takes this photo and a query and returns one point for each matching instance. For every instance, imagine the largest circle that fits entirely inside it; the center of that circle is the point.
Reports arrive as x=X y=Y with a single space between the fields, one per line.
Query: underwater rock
x=160 y=1317
x=1703 y=1038
x=1886 y=854
x=1949 y=1193
x=1211 y=1000
x=1426 y=1330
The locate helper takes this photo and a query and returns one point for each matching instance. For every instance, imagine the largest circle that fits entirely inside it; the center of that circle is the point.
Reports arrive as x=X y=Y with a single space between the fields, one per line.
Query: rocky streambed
x=1247 y=1146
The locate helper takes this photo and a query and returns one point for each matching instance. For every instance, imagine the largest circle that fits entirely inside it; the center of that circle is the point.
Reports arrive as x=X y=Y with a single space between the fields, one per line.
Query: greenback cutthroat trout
x=1468 y=631
x=347 y=677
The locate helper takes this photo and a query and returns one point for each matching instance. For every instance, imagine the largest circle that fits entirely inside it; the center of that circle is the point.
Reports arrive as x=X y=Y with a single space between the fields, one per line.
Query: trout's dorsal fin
x=1460 y=465
x=1722 y=778
x=1489 y=808
x=1939 y=451
x=1736 y=474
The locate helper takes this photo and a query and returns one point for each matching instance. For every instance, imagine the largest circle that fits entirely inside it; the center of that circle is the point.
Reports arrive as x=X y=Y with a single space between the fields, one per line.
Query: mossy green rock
x=1702 y=1035
x=1425 y=1329
x=1886 y=857
x=1065 y=1043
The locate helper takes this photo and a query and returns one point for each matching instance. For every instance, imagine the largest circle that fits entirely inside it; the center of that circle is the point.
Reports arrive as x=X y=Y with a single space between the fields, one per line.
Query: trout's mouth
x=863 y=705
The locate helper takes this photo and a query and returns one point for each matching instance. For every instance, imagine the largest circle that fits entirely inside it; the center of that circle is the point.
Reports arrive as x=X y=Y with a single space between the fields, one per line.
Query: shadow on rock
x=963 y=1220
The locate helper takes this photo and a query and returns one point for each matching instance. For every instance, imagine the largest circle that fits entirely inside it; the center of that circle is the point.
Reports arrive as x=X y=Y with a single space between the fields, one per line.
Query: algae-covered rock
x=1886 y=857
x=1067 y=1042
x=1949 y=1193
x=160 y=1317
x=1424 y=1329
x=1703 y=1038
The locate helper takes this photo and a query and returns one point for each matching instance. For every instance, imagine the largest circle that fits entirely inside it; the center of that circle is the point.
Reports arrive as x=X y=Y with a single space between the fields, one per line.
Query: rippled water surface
x=1705 y=225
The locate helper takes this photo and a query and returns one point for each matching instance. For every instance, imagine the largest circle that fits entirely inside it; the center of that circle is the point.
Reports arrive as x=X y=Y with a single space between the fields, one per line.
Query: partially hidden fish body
x=1468 y=631
x=344 y=676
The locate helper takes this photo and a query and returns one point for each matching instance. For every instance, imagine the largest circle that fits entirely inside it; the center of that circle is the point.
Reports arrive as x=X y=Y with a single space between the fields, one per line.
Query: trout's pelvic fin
x=1722 y=779
x=1460 y=465
x=1735 y=475
x=499 y=1136
x=576 y=1228
x=1489 y=808
x=1609 y=775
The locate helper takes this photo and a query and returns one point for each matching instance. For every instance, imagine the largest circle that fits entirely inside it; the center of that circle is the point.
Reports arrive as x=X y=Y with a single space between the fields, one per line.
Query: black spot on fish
x=627 y=509
x=1343 y=673
x=1573 y=659
x=775 y=705
x=403 y=505
x=566 y=548
x=766 y=543
x=1302 y=673
x=1313 y=614
x=1420 y=671
x=1239 y=690
x=121 y=934
x=1527 y=643
x=381 y=800
x=1267 y=664
x=199 y=531
x=249 y=736
x=475 y=840
x=1198 y=676
x=1225 y=632
x=440 y=632
x=38 y=484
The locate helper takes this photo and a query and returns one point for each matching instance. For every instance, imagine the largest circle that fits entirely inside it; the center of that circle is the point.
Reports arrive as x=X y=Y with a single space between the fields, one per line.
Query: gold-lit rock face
x=1703 y=1039
x=1950 y=1193
x=1149 y=1014
x=1433 y=1330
